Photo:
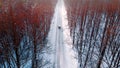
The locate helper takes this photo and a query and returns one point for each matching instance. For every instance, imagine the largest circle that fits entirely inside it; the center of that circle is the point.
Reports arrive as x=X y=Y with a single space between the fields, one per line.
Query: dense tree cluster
x=24 y=25
x=95 y=29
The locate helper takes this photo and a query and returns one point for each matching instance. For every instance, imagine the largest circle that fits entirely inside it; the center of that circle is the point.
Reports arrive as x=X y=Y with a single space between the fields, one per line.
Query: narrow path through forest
x=59 y=38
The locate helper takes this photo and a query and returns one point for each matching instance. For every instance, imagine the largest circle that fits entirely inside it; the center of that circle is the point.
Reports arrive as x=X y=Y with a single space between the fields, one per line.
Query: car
x=59 y=27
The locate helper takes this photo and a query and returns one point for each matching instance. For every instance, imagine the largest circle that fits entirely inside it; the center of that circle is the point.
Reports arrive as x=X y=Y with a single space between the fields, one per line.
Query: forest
x=24 y=25
x=94 y=29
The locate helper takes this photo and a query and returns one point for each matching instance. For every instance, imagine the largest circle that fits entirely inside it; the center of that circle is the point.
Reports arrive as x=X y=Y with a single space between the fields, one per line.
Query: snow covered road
x=60 y=41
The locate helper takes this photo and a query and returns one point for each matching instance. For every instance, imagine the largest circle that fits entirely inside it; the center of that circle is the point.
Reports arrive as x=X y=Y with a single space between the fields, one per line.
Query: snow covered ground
x=61 y=55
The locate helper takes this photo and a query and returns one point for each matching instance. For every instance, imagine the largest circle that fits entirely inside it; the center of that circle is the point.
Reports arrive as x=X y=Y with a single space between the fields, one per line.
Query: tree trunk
x=17 y=58
x=34 y=59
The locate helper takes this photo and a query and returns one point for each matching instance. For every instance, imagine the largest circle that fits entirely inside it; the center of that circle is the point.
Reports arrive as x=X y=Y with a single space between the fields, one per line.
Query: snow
x=60 y=41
